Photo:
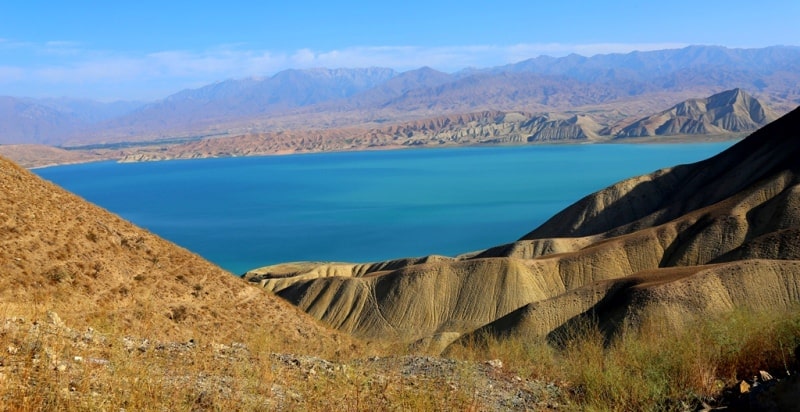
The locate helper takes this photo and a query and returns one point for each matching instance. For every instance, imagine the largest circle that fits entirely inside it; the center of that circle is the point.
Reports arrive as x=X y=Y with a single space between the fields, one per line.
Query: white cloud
x=63 y=67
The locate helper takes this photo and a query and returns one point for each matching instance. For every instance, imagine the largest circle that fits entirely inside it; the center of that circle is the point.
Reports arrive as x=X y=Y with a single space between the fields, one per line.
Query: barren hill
x=484 y=127
x=725 y=112
x=734 y=110
x=683 y=242
x=38 y=155
x=60 y=253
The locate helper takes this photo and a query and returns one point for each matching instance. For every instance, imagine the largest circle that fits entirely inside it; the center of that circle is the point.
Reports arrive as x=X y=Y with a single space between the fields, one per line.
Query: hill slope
x=729 y=111
x=682 y=242
x=60 y=253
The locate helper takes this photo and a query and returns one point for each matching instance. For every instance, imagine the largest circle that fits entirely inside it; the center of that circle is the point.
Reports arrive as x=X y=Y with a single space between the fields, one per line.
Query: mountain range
x=612 y=87
x=728 y=114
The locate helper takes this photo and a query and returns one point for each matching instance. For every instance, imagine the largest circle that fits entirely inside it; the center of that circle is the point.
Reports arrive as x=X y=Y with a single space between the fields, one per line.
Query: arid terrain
x=726 y=115
x=675 y=290
x=99 y=314
x=700 y=239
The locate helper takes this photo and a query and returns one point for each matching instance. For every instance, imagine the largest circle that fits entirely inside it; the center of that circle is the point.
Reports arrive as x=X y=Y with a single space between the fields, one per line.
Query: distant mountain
x=24 y=121
x=611 y=87
x=232 y=100
x=51 y=121
x=397 y=86
x=38 y=155
x=301 y=99
x=505 y=91
x=662 y=64
x=726 y=115
x=725 y=112
x=89 y=111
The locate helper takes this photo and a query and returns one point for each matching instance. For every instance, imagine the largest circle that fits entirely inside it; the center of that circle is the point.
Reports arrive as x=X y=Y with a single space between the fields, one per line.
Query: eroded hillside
x=688 y=241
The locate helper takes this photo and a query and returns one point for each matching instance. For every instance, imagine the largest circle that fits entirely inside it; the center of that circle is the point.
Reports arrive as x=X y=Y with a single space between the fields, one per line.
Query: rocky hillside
x=726 y=112
x=487 y=127
x=476 y=128
x=732 y=110
x=679 y=243
x=59 y=253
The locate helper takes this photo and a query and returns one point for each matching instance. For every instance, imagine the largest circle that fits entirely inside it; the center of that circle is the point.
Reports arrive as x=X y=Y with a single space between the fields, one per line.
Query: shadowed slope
x=666 y=194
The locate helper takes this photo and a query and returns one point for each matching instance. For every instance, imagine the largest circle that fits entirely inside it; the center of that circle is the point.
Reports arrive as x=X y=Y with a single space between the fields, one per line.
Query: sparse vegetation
x=46 y=365
x=654 y=367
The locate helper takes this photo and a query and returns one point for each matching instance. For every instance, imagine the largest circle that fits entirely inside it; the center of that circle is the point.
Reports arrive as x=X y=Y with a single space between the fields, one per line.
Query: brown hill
x=37 y=155
x=689 y=241
x=725 y=112
x=477 y=128
x=59 y=253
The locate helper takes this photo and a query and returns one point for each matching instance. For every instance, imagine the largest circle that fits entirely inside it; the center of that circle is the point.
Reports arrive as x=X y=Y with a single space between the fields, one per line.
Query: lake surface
x=243 y=213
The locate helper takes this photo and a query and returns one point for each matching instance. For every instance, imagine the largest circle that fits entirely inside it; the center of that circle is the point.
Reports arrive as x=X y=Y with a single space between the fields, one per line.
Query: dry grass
x=47 y=365
x=654 y=367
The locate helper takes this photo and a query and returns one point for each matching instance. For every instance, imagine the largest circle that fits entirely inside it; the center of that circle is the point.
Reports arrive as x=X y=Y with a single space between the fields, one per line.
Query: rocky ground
x=47 y=353
x=35 y=351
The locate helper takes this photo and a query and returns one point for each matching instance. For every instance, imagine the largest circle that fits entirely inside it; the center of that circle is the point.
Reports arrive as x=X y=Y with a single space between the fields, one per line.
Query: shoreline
x=156 y=152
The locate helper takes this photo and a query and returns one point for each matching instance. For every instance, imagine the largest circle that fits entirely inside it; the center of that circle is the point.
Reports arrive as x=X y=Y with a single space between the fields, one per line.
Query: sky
x=147 y=50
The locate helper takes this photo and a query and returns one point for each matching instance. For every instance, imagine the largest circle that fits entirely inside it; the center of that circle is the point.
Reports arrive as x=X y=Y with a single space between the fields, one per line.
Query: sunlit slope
x=60 y=253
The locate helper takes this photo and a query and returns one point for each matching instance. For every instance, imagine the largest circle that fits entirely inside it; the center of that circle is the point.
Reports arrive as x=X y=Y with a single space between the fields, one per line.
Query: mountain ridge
x=299 y=99
x=729 y=111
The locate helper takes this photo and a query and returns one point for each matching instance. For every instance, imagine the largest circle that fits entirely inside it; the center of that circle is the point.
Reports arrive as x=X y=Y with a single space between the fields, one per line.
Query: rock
x=54 y=319
x=495 y=363
x=744 y=387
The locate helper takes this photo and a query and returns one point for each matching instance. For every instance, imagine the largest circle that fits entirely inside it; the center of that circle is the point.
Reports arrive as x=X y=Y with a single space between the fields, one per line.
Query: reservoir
x=242 y=213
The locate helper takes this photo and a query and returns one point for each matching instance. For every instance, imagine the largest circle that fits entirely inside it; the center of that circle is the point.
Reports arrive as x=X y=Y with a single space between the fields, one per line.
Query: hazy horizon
x=148 y=50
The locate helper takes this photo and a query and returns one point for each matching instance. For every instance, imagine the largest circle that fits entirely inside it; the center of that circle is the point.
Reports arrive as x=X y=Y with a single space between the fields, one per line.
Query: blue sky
x=146 y=50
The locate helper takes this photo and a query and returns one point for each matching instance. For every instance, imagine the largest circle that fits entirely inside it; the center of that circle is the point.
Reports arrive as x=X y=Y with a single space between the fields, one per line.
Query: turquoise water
x=242 y=213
